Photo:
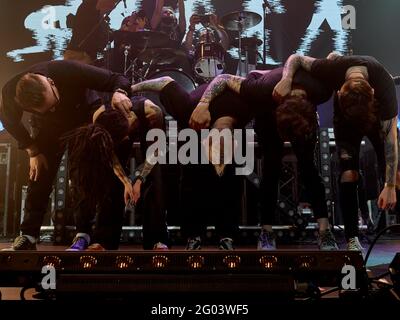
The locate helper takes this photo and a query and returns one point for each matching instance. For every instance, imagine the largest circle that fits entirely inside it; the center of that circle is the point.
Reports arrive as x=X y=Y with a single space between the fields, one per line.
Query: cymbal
x=159 y=55
x=142 y=39
x=251 y=42
x=248 y=19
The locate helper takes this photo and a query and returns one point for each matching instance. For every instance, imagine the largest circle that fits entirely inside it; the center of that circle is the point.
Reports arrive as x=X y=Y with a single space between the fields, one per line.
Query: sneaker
x=95 y=247
x=266 y=241
x=21 y=243
x=226 y=244
x=326 y=241
x=78 y=244
x=160 y=246
x=194 y=244
x=353 y=244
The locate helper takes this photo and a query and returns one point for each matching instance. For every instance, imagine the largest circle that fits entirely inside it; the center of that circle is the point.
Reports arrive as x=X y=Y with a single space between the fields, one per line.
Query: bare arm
x=219 y=84
x=391 y=156
x=201 y=117
x=222 y=34
x=194 y=19
x=293 y=63
x=119 y=171
x=182 y=16
x=387 y=198
x=156 y=18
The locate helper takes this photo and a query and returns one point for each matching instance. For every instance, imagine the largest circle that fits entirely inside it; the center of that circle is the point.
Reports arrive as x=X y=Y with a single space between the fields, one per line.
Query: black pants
x=50 y=131
x=37 y=198
x=205 y=195
x=272 y=148
x=348 y=141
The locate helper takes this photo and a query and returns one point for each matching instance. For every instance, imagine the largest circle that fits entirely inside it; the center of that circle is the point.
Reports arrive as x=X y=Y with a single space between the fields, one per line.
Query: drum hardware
x=209 y=57
x=240 y=21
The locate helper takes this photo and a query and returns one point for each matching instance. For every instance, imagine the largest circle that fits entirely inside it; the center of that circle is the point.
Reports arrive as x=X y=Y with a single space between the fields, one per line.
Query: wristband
x=390 y=185
x=137 y=177
x=121 y=91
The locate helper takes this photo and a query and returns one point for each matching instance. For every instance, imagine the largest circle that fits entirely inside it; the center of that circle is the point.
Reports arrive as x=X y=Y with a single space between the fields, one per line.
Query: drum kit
x=149 y=54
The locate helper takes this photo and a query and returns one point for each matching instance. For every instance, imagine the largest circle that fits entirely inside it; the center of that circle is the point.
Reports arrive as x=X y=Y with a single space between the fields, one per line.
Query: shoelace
x=21 y=241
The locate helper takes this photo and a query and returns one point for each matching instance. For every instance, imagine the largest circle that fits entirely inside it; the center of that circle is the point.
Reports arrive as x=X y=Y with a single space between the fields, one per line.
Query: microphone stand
x=265 y=32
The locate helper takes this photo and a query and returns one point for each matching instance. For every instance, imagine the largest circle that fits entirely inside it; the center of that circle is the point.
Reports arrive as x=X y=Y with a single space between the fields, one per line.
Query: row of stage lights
x=194 y=262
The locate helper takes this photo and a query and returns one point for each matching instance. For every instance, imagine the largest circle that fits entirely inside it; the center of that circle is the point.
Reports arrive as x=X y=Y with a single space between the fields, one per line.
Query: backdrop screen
x=38 y=30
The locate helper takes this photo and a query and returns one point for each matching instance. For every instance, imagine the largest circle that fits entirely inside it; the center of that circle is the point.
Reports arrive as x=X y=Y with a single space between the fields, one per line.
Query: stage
x=378 y=264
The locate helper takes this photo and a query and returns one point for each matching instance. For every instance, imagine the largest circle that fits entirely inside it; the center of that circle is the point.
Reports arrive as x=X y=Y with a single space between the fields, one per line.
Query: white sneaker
x=353 y=244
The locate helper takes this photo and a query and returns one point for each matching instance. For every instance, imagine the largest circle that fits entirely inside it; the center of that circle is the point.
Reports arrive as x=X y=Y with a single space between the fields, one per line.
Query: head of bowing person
x=356 y=104
x=37 y=93
x=296 y=119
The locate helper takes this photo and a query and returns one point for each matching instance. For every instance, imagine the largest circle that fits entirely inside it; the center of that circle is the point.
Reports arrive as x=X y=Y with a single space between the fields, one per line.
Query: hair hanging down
x=296 y=119
x=357 y=105
x=90 y=150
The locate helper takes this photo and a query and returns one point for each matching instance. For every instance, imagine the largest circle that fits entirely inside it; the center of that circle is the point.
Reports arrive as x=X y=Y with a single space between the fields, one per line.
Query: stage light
x=232 y=262
x=268 y=262
x=306 y=262
x=196 y=262
x=88 y=262
x=52 y=261
x=123 y=262
x=160 y=262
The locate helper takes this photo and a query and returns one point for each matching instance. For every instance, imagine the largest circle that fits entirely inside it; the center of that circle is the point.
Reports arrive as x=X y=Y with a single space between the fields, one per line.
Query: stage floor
x=381 y=256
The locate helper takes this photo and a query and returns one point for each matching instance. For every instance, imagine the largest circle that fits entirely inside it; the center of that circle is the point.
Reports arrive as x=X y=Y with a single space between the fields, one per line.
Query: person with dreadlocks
x=222 y=191
x=292 y=119
x=365 y=105
x=97 y=151
x=57 y=91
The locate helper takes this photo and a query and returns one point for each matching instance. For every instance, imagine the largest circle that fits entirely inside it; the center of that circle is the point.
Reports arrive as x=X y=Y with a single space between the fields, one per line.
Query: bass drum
x=182 y=78
x=209 y=59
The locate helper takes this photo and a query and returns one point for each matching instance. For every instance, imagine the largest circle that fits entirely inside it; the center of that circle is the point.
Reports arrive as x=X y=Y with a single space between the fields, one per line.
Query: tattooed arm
x=201 y=117
x=155 y=119
x=387 y=198
x=120 y=173
x=293 y=63
x=155 y=85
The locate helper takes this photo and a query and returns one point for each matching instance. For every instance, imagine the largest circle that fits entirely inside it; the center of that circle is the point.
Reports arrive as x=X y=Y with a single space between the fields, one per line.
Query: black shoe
x=226 y=244
x=194 y=244
x=21 y=243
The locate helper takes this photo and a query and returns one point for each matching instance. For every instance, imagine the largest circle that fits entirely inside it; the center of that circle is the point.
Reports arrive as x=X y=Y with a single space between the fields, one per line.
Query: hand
x=201 y=117
x=387 y=198
x=36 y=166
x=128 y=193
x=282 y=89
x=136 y=191
x=194 y=19
x=121 y=102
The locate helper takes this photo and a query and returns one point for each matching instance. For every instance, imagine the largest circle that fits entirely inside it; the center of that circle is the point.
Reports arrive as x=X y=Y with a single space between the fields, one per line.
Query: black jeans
x=205 y=194
x=348 y=141
x=272 y=148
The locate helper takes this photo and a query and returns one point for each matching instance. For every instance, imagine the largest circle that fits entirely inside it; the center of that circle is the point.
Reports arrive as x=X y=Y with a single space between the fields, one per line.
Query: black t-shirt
x=258 y=88
x=72 y=79
x=180 y=104
x=87 y=17
x=333 y=73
